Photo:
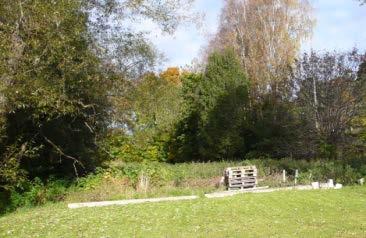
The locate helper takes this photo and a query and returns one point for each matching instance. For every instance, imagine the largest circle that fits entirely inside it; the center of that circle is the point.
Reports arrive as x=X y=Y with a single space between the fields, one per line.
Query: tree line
x=65 y=68
x=78 y=87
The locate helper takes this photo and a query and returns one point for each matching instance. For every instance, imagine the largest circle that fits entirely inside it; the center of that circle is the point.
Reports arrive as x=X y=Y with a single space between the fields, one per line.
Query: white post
x=296 y=176
x=330 y=183
x=284 y=176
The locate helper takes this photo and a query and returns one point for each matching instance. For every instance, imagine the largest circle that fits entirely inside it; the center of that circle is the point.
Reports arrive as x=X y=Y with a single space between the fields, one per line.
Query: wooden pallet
x=241 y=177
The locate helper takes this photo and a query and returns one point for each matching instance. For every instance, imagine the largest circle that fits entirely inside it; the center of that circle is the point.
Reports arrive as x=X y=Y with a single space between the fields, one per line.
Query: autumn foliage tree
x=266 y=36
x=171 y=75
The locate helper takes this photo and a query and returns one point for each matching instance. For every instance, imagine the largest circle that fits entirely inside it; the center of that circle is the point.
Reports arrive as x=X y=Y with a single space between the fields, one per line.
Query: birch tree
x=266 y=35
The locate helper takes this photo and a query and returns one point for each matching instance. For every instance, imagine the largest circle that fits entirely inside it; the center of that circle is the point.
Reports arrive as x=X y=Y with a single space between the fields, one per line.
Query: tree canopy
x=66 y=68
x=215 y=111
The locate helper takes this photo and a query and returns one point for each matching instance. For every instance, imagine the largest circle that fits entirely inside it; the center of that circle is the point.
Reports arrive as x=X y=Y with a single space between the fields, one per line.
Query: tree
x=184 y=142
x=66 y=67
x=329 y=96
x=216 y=114
x=266 y=35
x=171 y=75
x=156 y=105
x=54 y=93
x=358 y=125
x=273 y=128
x=124 y=49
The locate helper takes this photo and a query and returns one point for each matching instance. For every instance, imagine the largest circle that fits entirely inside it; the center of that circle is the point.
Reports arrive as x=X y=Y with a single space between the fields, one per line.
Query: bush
x=120 y=180
x=269 y=169
x=126 y=149
x=158 y=173
x=36 y=193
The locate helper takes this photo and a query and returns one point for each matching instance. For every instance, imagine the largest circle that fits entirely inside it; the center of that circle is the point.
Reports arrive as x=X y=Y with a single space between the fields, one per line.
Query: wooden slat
x=241 y=177
x=235 y=184
x=241 y=180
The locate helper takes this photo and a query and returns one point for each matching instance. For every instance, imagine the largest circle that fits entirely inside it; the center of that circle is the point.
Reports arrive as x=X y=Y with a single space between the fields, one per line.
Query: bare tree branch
x=75 y=161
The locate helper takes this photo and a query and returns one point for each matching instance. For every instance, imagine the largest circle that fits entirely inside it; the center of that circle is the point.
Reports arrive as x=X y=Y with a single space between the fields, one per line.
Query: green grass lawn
x=322 y=213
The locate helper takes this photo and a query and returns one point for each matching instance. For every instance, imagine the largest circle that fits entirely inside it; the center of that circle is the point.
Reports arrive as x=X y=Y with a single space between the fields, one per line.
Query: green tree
x=157 y=105
x=273 y=127
x=184 y=142
x=65 y=68
x=216 y=118
x=54 y=93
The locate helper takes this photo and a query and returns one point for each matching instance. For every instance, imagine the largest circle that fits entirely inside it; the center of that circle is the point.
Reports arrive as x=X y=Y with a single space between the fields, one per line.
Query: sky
x=340 y=26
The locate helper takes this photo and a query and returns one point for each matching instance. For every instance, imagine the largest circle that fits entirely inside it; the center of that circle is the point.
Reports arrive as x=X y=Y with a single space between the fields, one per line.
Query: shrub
x=120 y=179
x=36 y=193
x=125 y=148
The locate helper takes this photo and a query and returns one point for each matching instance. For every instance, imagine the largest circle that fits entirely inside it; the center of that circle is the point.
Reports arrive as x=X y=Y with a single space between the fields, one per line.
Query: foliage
x=184 y=142
x=266 y=36
x=65 y=68
x=329 y=97
x=54 y=93
x=156 y=103
x=273 y=127
x=218 y=103
x=36 y=193
x=126 y=148
x=120 y=180
x=171 y=75
x=156 y=107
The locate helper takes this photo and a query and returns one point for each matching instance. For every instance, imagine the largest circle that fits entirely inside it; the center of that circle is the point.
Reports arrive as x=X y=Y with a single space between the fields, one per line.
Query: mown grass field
x=322 y=213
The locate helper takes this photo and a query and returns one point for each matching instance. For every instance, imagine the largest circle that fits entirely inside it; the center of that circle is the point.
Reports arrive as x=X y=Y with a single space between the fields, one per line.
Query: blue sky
x=340 y=26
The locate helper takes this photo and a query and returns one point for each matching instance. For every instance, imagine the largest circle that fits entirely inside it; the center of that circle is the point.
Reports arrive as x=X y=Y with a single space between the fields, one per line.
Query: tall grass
x=120 y=180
